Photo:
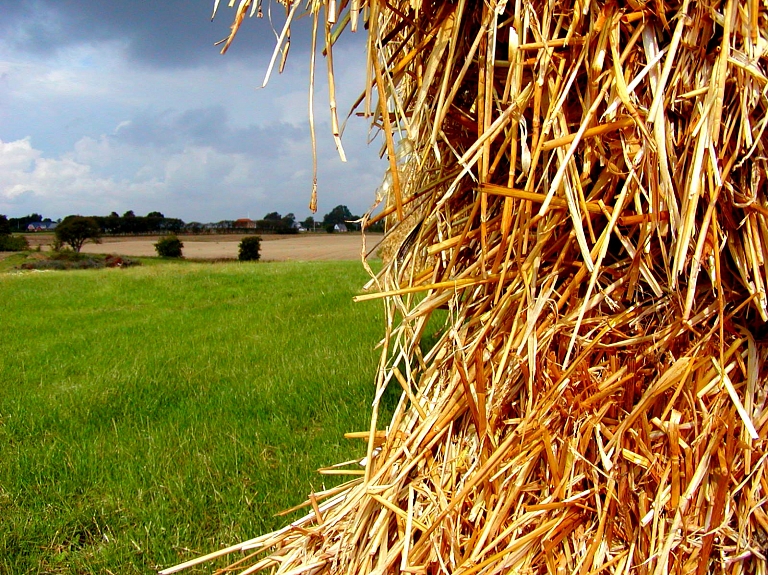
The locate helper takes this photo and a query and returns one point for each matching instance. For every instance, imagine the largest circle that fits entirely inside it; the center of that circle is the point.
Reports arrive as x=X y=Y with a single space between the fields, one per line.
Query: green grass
x=154 y=413
x=11 y=261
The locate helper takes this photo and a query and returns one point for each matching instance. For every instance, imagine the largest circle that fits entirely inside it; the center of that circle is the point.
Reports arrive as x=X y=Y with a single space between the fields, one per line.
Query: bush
x=13 y=243
x=113 y=261
x=44 y=265
x=169 y=247
x=65 y=255
x=250 y=249
x=68 y=260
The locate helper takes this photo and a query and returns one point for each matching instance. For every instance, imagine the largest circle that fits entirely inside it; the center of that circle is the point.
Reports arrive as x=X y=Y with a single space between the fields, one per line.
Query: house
x=246 y=223
x=340 y=228
x=41 y=226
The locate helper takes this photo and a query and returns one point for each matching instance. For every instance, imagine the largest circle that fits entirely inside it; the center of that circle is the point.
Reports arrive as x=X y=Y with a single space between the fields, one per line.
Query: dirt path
x=304 y=247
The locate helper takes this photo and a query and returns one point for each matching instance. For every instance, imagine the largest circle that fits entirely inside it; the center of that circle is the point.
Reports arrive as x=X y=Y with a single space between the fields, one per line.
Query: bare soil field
x=302 y=247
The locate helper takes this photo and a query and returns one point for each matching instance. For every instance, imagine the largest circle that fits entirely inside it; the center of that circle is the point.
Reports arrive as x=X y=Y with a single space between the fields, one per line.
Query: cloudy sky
x=128 y=105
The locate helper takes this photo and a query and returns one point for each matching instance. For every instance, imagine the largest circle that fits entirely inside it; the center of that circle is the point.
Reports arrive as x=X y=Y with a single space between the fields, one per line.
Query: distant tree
x=273 y=216
x=173 y=224
x=309 y=223
x=154 y=221
x=20 y=224
x=112 y=223
x=76 y=230
x=338 y=215
x=288 y=221
x=9 y=242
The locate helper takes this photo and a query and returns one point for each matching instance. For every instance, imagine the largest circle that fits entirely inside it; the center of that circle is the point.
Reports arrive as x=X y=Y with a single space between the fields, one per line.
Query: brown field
x=303 y=247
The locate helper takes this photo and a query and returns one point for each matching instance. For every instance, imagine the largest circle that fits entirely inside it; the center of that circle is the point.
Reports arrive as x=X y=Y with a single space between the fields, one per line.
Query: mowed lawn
x=151 y=414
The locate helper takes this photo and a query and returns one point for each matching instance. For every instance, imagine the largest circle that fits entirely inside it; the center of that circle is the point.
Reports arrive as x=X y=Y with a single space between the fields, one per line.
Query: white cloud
x=17 y=156
x=195 y=182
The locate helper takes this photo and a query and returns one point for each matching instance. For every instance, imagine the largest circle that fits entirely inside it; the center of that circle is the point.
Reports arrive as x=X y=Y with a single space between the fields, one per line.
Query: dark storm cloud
x=164 y=33
x=207 y=127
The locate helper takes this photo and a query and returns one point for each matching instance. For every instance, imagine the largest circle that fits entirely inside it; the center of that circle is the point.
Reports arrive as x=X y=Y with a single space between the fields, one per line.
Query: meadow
x=154 y=413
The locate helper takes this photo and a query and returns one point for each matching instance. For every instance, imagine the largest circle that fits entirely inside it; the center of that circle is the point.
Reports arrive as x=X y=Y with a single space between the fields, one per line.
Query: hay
x=590 y=182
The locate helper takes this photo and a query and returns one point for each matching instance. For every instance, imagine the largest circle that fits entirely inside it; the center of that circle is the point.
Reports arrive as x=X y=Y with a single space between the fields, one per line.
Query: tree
x=20 y=224
x=8 y=242
x=173 y=224
x=76 y=230
x=129 y=223
x=112 y=223
x=338 y=215
x=273 y=216
x=154 y=221
x=288 y=221
x=309 y=223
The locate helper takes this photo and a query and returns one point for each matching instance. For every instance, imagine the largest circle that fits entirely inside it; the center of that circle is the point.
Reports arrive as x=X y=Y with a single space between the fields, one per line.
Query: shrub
x=169 y=247
x=65 y=255
x=44 y=265
x=250 y=249
x=13 y=243
x=113 y=261
x=68 y=260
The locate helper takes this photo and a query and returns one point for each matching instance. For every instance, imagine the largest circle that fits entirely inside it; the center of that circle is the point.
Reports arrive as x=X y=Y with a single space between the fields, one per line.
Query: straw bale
x=590 y=185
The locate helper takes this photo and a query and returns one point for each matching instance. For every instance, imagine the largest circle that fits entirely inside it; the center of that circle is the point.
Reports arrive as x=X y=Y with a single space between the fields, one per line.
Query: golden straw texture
x=584 y=187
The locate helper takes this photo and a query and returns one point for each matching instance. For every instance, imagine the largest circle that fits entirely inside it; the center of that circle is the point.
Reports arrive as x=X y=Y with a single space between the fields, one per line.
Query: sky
x=128 y=105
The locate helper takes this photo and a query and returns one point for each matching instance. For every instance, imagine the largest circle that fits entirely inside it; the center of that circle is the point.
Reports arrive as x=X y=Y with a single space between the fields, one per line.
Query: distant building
x=41 y=226
x=340 y=228
x=245 y=223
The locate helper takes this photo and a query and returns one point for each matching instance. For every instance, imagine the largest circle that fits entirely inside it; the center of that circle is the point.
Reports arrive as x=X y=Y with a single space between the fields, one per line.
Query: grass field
x=151 y=414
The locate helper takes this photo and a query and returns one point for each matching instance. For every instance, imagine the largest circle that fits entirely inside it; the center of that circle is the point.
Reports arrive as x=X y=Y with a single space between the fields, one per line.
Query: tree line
x=155 y=222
